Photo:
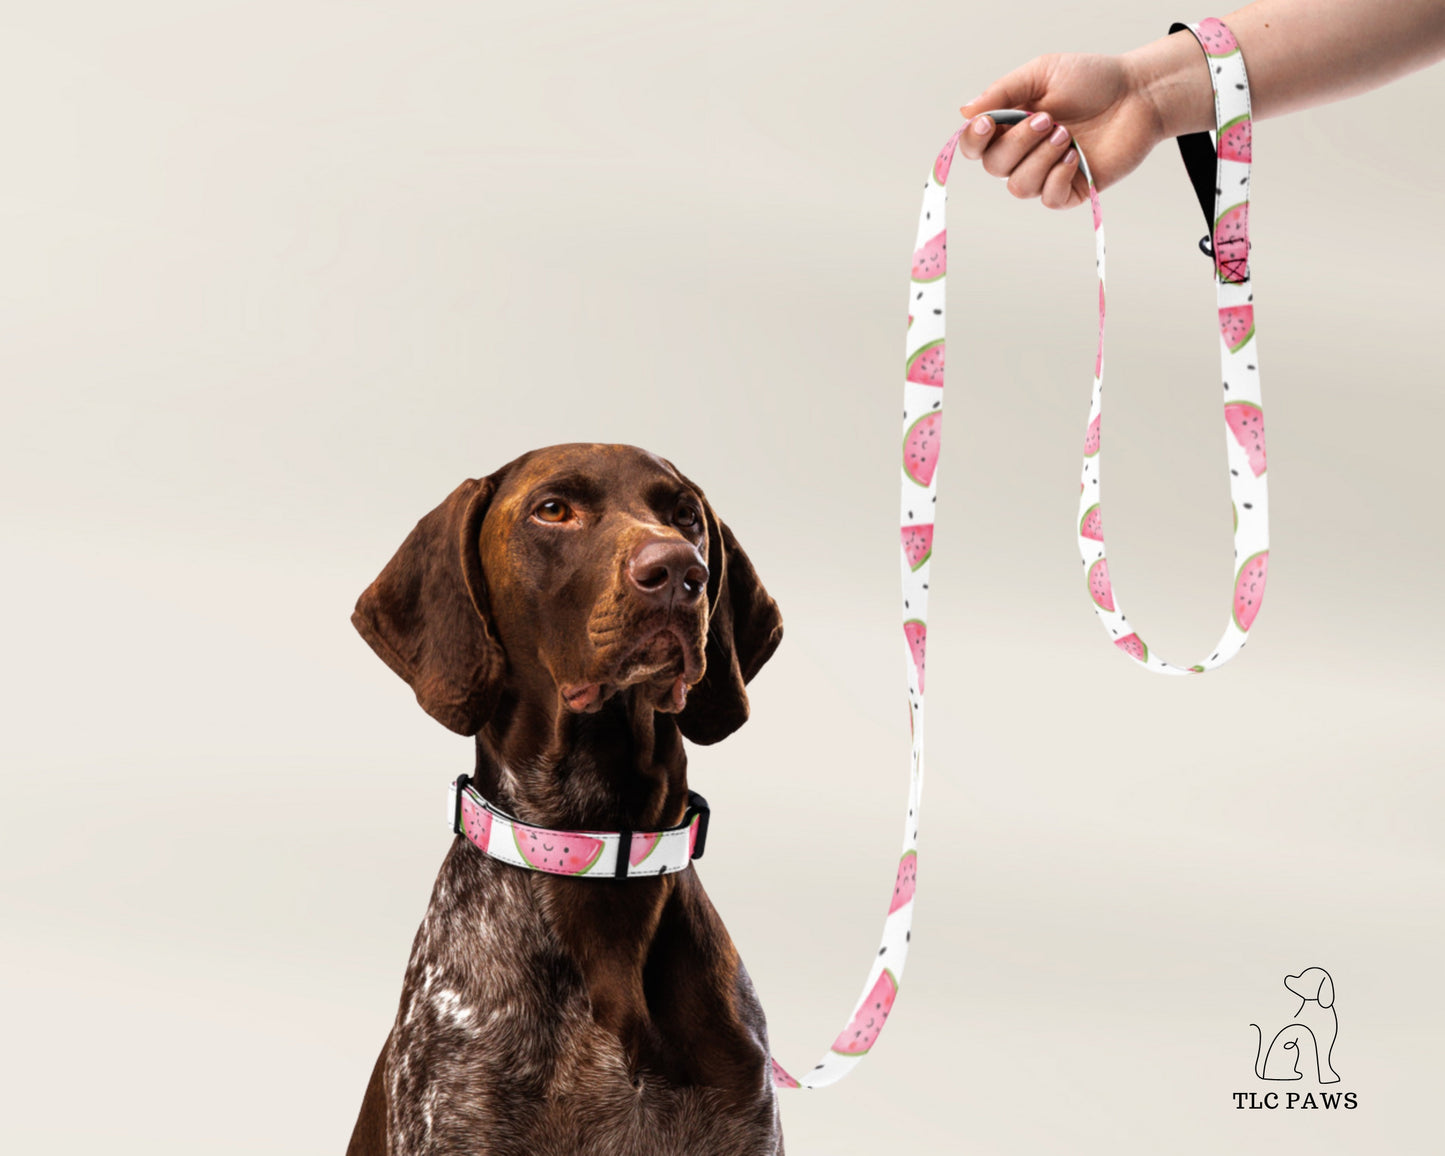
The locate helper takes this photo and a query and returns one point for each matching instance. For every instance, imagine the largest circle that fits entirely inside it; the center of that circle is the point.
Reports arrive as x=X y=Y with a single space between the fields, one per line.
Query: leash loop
x=922 y=431
x=1219 y=171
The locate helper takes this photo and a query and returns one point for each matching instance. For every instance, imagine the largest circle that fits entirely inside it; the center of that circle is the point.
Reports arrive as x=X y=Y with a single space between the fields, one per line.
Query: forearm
x=1299 y=53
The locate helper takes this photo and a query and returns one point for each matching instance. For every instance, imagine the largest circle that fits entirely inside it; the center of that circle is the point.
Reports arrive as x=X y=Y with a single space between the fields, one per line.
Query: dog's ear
x=426 y=613
x=1327 y=989
x=744 y=628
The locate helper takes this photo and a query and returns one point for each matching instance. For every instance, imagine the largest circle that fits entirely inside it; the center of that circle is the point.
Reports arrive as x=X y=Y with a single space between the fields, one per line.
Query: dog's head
x=1312 y=983
x=571 y=574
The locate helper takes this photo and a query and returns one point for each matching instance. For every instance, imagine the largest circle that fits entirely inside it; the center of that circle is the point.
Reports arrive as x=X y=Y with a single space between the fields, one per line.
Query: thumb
x=1020 y=89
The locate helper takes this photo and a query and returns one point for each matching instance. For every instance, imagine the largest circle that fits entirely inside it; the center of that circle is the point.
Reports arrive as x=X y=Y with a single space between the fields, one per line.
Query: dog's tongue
x=582 y=697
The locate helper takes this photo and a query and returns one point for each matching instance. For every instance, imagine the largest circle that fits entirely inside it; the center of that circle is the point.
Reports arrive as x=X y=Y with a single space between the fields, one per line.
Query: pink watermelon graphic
x=926 y=365
x=1100 y=589
x=1091 y=438
x=1098 y=209
x=1090 y=525
x=920 y=447
x=476 y=822
x=692 y=835
x=1231 y=242
x=559 y=852
x=1099 y=355
x=642 y=847
x=1246 y=423
x=1236 y=138
x=1236 y=326
x=917 y=545
x=1134 y=647
x=1217 y=39
x=862 y=1032
x=945 y=160
x=907 y=881
x=781 y=1079
x=916 y=631
x=1249 y=588
x=930 y=260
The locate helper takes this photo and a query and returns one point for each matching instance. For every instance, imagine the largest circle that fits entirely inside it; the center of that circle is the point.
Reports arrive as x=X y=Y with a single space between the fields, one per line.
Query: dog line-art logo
x=1304 y=1045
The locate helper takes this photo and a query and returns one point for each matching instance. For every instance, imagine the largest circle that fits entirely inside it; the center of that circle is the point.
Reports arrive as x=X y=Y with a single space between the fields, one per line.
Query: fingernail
x=981 y=125
x=1061 y=136
x=1070 y=157
x=1040 y=123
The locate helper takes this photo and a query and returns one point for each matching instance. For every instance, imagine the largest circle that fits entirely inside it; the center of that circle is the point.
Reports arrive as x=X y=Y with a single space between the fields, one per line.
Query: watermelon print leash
x=1220 y=174
x=1223 y=189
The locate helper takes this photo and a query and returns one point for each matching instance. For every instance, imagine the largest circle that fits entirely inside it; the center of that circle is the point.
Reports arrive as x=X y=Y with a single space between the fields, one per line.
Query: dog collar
x=595 y=854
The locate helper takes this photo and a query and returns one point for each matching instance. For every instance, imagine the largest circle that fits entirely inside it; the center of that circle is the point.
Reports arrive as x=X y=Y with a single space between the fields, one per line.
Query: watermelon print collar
x=1227 y=212
x=592 y=854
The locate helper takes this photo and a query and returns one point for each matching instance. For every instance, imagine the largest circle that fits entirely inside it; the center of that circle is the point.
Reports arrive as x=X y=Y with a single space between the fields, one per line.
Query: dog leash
x=1224 y=196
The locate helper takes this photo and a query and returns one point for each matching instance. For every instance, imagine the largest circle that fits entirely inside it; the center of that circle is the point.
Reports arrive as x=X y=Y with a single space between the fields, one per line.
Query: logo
x=1303 y=1049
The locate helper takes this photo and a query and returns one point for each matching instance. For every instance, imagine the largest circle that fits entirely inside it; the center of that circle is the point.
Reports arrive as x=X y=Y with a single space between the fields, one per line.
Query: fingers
x=1059 y=191
x=1036 y=157
x=1021 y=88
x=1011 y=153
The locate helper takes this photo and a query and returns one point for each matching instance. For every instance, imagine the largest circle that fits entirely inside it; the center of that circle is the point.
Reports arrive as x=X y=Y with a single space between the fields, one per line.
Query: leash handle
x=922 y=431
x=1223 y=191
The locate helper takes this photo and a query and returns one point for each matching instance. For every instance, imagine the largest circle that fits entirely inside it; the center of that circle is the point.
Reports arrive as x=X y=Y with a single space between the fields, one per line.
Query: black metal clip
x=457 y=788
x=697 y=808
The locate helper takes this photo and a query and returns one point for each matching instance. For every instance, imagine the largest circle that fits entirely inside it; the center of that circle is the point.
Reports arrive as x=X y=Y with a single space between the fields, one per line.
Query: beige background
x=276 y=276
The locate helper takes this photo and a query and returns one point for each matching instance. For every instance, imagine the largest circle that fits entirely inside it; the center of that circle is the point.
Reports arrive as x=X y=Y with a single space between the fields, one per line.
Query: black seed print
x=1249 y=505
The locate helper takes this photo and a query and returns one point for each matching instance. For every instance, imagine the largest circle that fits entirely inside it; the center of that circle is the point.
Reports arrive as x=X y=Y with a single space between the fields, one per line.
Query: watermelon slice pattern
x=1239 y=361
x=922 y=434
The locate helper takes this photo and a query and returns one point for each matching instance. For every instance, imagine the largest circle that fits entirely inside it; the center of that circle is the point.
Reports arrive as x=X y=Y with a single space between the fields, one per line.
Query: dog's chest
x=496 y=1048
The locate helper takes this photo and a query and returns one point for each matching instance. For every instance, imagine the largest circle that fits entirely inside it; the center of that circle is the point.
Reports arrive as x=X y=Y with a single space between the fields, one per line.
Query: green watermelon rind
x=892 y=979
x=927 y=554
x=592 y=862
x=1089 y=582
x=1218 y=219
x=908 y=435
x=1144 y=646
x=1229 y=124
x=1241 y=405
x=930 y=280
x=917 y=353
x=902 y=859
x=1238 y=574
x=1249 y=333
x=653 y=847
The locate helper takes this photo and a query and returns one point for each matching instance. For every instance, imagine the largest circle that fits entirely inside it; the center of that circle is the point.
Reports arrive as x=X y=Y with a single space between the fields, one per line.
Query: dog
x=1315 y=1026
x=580 y=612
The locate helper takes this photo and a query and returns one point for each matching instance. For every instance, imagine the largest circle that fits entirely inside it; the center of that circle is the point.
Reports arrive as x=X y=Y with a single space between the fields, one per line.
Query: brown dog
x=580 y=611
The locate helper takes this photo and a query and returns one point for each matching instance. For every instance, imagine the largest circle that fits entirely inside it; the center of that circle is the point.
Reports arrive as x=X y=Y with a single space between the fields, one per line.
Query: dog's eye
x=687 y=517
x=553 y=510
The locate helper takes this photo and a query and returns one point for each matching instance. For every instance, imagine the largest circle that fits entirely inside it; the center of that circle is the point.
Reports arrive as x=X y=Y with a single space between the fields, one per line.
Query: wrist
x=1171 y=75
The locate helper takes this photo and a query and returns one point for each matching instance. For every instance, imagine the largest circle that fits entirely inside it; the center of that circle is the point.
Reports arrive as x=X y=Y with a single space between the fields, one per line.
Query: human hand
x=1102 y=102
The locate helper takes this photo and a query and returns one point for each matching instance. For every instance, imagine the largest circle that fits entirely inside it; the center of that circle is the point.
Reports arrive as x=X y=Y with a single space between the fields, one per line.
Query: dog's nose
x=668 y=571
